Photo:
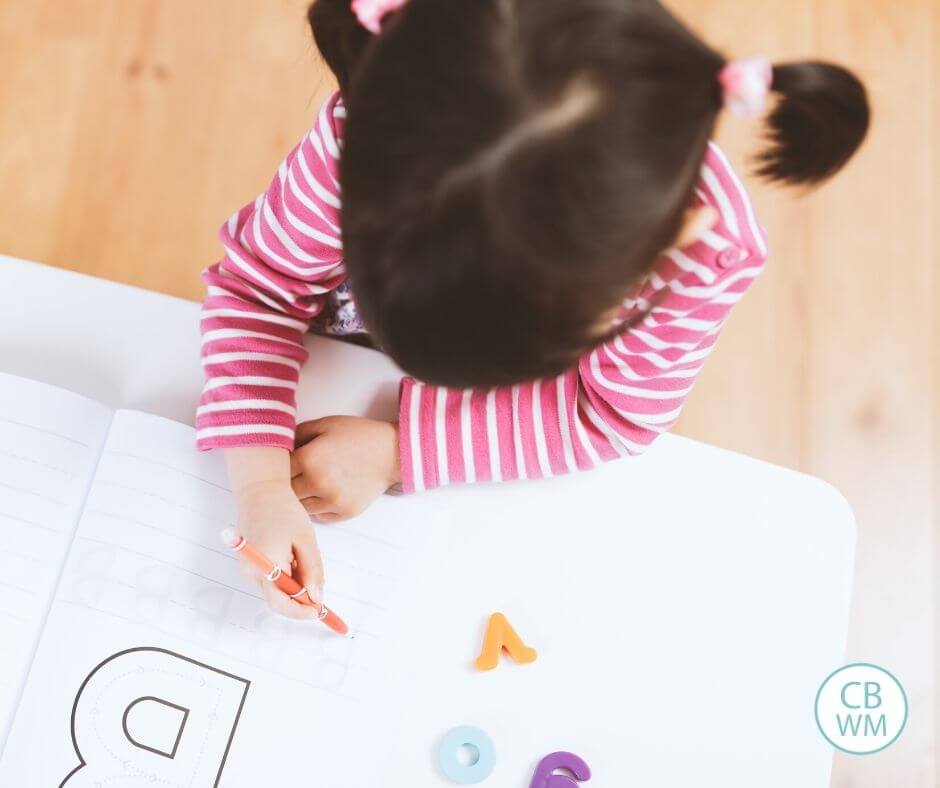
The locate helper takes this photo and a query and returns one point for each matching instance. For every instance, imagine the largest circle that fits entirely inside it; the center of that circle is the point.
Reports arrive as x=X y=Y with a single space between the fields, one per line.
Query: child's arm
x=272 y=518
x=622 y=395
x=282 y=254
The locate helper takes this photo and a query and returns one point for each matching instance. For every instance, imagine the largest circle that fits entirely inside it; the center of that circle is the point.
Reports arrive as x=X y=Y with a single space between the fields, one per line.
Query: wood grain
x=869 y=401
x=934 y=212
x=132 y=128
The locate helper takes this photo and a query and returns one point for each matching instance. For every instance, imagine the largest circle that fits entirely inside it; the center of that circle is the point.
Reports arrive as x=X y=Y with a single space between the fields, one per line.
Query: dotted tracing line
x=129 y=768
x=305 y=653
x=198 y=644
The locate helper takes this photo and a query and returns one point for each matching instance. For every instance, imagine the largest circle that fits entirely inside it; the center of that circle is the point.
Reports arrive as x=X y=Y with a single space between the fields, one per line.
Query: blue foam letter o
x=467 y=774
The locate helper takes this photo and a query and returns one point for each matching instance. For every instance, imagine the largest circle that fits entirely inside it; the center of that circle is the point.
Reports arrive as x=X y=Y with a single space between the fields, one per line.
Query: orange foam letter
x=500 y=635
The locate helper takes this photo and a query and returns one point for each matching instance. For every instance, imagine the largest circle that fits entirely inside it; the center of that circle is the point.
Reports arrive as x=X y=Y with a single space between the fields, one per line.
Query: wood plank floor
x=132 y=128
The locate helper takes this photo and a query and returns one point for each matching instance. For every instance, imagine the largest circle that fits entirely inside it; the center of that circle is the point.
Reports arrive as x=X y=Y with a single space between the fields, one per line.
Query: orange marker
x=282 y=580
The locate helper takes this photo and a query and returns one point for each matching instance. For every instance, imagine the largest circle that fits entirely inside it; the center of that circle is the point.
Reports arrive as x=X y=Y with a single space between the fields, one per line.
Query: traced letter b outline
x=186 y=743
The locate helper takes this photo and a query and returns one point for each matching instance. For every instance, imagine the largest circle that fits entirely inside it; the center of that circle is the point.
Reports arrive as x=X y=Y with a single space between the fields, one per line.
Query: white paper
x=49 y=442
x=149 y=592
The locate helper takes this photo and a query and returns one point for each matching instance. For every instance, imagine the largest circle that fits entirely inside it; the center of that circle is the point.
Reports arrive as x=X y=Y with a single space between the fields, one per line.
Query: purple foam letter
x=545 y=776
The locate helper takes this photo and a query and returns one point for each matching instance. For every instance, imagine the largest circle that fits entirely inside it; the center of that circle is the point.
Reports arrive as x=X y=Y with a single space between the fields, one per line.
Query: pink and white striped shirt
x=284 y=255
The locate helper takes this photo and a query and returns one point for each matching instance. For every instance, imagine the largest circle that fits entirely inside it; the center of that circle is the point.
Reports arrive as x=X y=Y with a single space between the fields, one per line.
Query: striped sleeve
x=282 y=254
x=623 y=394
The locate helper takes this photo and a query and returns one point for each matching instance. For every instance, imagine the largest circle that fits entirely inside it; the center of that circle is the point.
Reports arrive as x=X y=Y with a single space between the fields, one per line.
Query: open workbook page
x=49 y=444
x=160 y=662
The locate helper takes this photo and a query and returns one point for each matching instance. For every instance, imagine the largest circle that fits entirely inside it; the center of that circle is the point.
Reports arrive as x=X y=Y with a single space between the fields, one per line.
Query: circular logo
x=861 y=709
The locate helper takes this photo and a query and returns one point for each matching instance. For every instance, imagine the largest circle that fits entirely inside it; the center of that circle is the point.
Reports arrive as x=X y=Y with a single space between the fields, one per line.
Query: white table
x=720 y=606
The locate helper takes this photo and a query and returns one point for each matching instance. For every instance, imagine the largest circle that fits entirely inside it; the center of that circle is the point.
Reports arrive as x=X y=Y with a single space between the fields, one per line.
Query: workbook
x=134 y=650
x=676 y=602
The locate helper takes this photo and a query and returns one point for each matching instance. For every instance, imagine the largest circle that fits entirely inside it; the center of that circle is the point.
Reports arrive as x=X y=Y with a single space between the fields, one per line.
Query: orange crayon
x=282 y=580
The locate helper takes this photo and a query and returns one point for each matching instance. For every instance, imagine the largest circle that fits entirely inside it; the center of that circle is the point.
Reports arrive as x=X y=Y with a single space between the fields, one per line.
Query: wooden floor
x=131 y=129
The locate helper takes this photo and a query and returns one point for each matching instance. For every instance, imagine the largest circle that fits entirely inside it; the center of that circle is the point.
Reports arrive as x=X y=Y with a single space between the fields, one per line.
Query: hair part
x=577 y=102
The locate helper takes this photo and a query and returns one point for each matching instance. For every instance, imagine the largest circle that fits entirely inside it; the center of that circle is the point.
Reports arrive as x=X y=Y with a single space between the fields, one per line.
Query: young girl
x=511 y=172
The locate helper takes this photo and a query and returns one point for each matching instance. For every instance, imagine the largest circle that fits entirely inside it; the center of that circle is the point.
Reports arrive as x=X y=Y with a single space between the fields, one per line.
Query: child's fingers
x=281 y=603
x=306 y=431
x=251 y=572
x=316 y=505
x=303 y=487
x=309 y=570
x=273 y=597
x=296 y=466
x=329 y=517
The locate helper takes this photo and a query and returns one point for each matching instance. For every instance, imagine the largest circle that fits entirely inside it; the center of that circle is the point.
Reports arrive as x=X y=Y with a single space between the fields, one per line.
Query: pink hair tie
x=371 y=12
x=746 y=84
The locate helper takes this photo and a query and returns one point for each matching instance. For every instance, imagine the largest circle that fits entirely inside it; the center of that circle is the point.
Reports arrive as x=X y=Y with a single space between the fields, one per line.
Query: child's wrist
x=249 y=493
x=257 y=472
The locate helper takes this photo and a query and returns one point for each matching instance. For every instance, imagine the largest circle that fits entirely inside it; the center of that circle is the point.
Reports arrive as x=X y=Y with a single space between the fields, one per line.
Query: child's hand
x=271 y=517
x=342 y=464
x=275 y=522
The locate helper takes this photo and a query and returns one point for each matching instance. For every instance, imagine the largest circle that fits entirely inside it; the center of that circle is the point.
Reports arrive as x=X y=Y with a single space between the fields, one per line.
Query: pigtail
x=819 y=122
x=339 y=36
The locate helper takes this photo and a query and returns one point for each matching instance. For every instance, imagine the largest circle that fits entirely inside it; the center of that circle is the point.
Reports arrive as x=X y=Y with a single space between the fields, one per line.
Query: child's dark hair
x=511 y=167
